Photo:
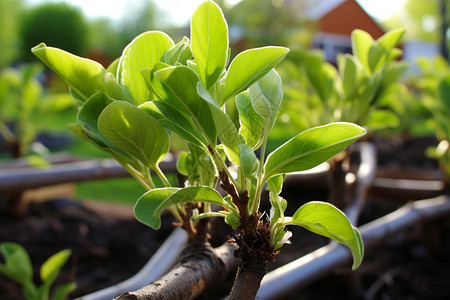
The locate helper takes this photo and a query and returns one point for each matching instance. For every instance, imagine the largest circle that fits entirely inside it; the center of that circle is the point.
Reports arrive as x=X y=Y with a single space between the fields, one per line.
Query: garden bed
x=109 y=248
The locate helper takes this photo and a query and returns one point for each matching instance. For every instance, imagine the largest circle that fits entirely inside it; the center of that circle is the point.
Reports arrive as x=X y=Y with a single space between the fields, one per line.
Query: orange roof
x=346 y=17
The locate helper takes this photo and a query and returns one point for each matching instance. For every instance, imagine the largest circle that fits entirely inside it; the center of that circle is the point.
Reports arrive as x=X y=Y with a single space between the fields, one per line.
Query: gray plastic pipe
x=160 y=263
x=323 y=261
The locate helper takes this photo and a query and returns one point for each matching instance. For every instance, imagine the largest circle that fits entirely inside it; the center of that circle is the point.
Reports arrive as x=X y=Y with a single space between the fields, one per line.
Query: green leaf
x=91 y=110
x=134 y=131
x=209 y=35
x=320 y=74
x=226 y=130
x=266 y=95
x=361 y=44
x=142 y=53
x=324 y=219
x=182 y=163
x=382 y=119
x=444 y=92
x=179 y=53
x=114 y=90
x=349 y=74
x=153 y=83
x=86 y=127
x=311 y=148
x=181 y=83
x=113 y=67
x=191 y=194
x=63 y=291
x=252 y=124
x=390 y=39
x=17 y=263
x=247 y=67
x=249 y=161
x=393 y=72
x=53 y=265
x=84 y=76
x=377 y=57
x=145 y=207
x=275 y=184
x=175 y=121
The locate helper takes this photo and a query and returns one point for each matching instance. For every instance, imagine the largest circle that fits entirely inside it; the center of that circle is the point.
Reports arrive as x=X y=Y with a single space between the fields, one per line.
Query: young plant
x=441 y=111
x=18 y=268
x=23 y=106
x=358 y=90
x=223 y=109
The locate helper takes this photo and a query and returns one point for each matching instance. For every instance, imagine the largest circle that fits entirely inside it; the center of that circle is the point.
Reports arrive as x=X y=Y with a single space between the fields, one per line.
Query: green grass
x=115 y=190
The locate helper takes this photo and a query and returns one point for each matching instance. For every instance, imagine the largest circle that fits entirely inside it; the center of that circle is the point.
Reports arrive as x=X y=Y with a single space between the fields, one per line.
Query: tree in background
x=425 y=20
x=10 y=11
x=60 y=24
x=421 y=18
x=270 y=22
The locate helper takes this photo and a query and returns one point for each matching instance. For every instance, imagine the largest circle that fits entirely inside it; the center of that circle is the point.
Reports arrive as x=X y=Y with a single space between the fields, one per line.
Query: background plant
x=23 y=106
x=441 y=111
x=358 y=90
x=192 y=89
x=18 y=268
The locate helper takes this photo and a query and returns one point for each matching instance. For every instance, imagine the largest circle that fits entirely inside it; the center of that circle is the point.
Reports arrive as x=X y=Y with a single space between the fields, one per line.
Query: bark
x=248 y=280
x=253 y=241
x=199 y=273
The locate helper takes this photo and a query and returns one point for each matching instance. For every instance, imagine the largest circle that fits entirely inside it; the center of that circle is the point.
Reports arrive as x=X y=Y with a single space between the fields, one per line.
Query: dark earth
x=106 y=250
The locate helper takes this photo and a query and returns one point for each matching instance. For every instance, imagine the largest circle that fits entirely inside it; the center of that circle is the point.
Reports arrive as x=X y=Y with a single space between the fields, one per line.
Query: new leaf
x=209 y=42
x=247 y=67
x=324 y=219
x=83 y=75
x=311 y=148
x=143 y=52
x=135 y=132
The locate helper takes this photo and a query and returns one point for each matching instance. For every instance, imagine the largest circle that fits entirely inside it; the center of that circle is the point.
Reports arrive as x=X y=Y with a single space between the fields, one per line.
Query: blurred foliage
x=432 y=86
x=23 y=105
x=357 y=90
x=422 y=18
x=60 y=24
x=110 y=38
x=269 y=22
x=10 y=12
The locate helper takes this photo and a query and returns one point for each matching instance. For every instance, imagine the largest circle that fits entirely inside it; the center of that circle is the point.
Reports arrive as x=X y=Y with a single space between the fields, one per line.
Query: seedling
x=223 y=109
x=441 y=111
x=23 y=106
x=356 y=91
x=18 y=268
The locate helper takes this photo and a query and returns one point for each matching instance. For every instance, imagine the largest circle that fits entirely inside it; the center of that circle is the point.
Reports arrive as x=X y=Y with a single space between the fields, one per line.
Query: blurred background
x=101 y=29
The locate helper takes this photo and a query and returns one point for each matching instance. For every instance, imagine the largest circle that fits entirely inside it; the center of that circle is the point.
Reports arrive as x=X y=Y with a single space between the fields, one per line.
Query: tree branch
x=200 y=270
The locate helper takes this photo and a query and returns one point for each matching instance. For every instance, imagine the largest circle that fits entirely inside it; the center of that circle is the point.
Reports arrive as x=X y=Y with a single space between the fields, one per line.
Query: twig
x=200 y=271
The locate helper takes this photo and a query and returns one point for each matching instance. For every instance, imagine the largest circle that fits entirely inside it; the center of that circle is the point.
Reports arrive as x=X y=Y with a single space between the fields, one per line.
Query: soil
x=107 y=249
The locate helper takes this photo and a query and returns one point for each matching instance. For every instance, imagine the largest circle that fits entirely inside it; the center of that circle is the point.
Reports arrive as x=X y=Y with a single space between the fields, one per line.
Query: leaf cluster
x=431 y=84
x=222 y=108
x=18 y=268
x=357 y=90
x=23 y=105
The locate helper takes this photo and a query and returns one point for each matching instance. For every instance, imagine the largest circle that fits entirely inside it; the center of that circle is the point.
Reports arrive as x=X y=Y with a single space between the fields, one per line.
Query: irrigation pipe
x=363 y=179
x=161 y=262
x=13 y=180
x=308 y=268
